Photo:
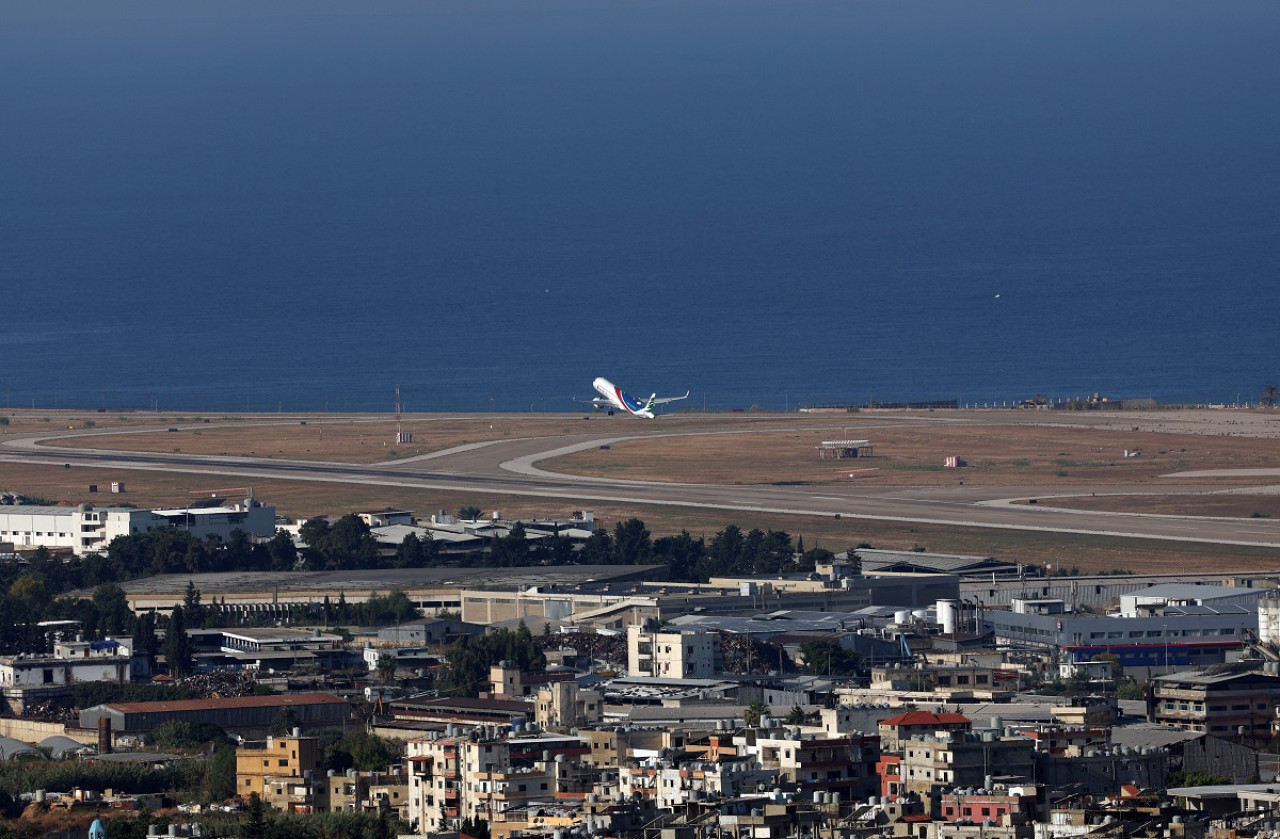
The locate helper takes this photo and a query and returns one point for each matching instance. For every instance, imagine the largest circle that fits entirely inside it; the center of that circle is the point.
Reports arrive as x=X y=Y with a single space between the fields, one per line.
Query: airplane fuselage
x=620 y=400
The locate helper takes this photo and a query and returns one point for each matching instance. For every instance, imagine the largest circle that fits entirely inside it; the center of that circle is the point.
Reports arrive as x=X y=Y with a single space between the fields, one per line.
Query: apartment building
x=678 y=654
x=286 y=772
x=483 y=774
x=961 y=759
x=1235 y=705
x=565 y=705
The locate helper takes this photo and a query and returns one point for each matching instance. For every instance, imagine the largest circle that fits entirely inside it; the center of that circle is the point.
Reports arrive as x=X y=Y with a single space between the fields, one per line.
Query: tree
x=855 y=563
x=685 y=557
x=282 y=551
x=412 y=552
x=598 y=549
x=112 y=605
x=255 y=827
x=468 y=660
x=796 y=716
x=469 y=512
x=177 y=644
x=753 y=713
x=359 y=750
x=476 y=828
x=1269 y=395
x=386 y=667
x=512 y=549
x=348 y=544
x=145 y=640
x=180 y=734
x=1112 y=659
x=828 y=658
x=284 y=722
x=631 y=542
x=725 y=551
x=313 y=531
x=193 y=610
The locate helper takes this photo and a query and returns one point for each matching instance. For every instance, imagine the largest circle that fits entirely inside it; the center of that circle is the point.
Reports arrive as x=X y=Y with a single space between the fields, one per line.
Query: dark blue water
x=217 y=207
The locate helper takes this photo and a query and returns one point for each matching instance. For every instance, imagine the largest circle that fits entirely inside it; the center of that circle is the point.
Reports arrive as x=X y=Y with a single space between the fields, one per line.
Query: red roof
x=927 y=718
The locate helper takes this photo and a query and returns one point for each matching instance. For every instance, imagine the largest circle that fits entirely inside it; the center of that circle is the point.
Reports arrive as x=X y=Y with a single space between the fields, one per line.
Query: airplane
x=612 y=397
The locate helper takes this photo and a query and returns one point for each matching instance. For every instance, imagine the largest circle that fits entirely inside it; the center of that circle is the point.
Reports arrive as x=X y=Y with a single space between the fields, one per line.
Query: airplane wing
x=667 y=399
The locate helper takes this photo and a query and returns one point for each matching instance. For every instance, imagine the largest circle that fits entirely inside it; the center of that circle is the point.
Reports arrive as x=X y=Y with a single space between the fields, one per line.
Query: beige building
x=369 y=792
x=285 y=772
x=475 y=776
x=565 y=705
x=673 y=654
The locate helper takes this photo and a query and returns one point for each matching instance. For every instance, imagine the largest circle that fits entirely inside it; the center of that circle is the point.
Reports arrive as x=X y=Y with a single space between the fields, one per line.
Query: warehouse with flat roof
x=239 y=714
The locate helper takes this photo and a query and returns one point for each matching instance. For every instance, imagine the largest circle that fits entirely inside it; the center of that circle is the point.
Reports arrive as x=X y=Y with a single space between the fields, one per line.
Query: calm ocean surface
x=243 y=206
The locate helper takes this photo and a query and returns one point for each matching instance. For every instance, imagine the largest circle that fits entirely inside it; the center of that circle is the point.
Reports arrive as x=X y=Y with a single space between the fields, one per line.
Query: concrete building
x=87 y=529
x=429 y=630
x=564 y=705
x=895 y=731
x=482 y=776
x=243 y=714
x=1177 y=638
x=1240 y=705
x=286 y=772
x=278 y=648
x=677 y=654
x=962 y=759
x=31 y=679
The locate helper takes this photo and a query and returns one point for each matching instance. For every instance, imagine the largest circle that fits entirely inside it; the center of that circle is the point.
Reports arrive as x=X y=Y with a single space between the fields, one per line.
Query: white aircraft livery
x=614 y=398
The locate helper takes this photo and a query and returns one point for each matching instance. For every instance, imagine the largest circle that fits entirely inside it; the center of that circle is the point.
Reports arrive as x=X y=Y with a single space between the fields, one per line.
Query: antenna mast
x=401 y=435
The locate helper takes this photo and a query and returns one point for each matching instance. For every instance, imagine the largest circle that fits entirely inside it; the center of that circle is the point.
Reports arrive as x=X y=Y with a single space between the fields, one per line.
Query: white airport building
x=87 y=529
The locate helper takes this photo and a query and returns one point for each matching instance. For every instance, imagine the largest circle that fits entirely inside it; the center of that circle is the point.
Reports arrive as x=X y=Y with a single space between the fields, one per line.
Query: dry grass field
x=912 y=454
x=345 y=439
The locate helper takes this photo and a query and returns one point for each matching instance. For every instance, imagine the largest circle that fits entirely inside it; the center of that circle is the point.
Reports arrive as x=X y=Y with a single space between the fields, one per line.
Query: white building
x=672 y=653
x=27 y=679
x=87 y=529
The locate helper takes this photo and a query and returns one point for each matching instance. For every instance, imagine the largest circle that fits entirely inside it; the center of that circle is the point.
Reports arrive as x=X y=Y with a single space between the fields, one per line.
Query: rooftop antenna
x=401 y=436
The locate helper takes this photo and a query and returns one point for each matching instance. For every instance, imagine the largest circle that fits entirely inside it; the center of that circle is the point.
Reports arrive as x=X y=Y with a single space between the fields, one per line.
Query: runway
x=511 y=467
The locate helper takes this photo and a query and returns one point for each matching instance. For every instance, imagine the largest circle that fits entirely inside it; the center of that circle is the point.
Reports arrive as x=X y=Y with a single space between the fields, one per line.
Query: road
x=510 y=467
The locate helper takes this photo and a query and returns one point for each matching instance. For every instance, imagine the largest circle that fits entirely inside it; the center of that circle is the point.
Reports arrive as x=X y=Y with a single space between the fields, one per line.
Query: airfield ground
x=1014 y=449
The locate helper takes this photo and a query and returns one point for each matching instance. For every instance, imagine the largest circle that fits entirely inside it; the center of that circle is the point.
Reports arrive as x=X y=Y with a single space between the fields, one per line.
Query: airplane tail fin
x=648 y=406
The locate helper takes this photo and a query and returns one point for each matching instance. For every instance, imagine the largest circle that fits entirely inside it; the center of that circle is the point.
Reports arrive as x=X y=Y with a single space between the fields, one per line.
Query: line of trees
x=33 y=593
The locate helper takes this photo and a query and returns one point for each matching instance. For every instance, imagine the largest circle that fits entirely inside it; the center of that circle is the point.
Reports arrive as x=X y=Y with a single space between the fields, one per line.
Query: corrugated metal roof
x=282 y=700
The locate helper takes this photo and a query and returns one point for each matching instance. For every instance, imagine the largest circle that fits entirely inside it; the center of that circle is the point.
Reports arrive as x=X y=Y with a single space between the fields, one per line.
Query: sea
x=302 y=205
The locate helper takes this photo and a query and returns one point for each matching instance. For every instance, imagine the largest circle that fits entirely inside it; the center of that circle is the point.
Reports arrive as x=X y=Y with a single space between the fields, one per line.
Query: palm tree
x=752 y=713
x=1268 y=397
x=386 y=666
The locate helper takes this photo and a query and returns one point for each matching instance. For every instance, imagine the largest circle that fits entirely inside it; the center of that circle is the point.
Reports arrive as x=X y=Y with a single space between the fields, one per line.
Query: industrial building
x=1158 y=641
x=88 y=529
x=243 y=714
